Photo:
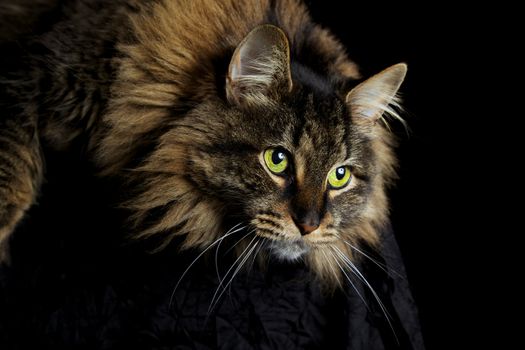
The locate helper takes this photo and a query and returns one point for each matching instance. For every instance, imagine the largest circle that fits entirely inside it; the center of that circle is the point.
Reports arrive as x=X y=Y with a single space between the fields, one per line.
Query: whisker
x=247 y=252
x=383 y=267
x=239 y=267
x=264 y=242
x=234 y=263
x=254 y=257
x=221 y=279
x=219 y=245
x=239 y=241
x=230 y=269
x=358 y=273
x=218 y=240
x=347 y=277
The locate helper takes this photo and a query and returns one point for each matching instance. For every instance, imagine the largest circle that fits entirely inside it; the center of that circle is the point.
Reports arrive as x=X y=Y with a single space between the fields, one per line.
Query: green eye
x=339 y=177
x=276 y=160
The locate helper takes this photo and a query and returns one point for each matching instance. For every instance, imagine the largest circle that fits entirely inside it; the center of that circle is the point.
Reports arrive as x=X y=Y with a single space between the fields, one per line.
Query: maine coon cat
x=215 y=117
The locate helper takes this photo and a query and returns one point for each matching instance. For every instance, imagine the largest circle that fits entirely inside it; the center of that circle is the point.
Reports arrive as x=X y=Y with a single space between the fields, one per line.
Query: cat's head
x=299 y=165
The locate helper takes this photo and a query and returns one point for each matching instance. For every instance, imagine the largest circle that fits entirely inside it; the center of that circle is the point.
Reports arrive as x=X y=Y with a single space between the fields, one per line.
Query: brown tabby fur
x=155 y=114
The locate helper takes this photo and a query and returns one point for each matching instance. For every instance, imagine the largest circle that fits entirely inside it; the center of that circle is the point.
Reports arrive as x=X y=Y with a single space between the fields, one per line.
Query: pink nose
x=306 y=228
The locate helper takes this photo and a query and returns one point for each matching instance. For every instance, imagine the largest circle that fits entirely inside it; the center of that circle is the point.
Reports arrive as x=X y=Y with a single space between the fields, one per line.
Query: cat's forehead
x=320 y=127
x=315 y=127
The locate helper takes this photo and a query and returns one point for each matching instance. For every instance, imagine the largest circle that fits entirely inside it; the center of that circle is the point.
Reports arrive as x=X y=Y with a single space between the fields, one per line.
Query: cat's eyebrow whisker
x=358 y=273
x=218 y=240
x=244 y=255
x=383 y=267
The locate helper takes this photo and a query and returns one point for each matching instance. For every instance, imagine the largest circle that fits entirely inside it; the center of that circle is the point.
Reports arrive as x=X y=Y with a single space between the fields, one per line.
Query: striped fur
x=20 y=174
x=147 y=88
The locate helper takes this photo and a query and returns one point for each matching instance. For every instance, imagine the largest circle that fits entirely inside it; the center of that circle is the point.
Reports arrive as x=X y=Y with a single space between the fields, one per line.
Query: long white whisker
x=229 y=286
x=380 y=265
x=239 y=241
x=193 y=263
x=241 y=264
x=219 y=245
x=229 y=270
x=215 y=301
x=221 y=279
x=348 y=278
x=358 y=273
x=257 y=253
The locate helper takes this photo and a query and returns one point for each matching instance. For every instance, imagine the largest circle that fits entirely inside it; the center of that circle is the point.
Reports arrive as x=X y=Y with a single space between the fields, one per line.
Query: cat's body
x=210 y=115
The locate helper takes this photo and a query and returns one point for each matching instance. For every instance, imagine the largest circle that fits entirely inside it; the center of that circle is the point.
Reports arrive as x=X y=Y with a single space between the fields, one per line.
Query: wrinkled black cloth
x=126 y=302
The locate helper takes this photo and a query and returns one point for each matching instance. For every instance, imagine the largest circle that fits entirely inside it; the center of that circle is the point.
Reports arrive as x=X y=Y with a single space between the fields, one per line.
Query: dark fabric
x=120 y=299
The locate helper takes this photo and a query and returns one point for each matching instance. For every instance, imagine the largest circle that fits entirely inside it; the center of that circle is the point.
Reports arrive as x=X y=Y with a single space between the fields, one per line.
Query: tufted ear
x=373 y=97
x=260 y=67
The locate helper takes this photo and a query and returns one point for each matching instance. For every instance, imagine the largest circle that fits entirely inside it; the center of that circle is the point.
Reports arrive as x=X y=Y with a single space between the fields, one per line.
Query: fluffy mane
x=173 y=61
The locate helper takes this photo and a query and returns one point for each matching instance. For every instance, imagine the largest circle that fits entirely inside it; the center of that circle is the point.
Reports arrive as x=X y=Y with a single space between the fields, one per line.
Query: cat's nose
x=307 y=224
x=306 y=228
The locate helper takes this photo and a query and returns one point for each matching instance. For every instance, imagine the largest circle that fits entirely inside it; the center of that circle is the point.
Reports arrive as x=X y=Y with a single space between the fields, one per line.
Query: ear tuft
x=377 y=95
x=260 y=67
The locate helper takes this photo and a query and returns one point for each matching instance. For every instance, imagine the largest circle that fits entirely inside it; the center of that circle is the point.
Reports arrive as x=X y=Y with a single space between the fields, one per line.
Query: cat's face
x=298 y=172
x=300 y=166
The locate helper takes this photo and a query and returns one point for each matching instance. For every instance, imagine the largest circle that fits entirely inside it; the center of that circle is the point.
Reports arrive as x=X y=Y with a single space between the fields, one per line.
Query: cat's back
x=86 y=58
x=59 y=61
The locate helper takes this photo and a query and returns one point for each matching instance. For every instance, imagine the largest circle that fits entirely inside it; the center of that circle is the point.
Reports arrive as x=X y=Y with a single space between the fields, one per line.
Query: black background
x=444 y=207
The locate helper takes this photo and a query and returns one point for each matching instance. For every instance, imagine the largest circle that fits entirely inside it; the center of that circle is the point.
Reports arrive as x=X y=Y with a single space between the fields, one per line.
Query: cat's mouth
x=288 y=250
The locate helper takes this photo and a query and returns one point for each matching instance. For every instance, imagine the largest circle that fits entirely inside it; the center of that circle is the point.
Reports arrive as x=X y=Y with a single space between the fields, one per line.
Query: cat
x=215 y=117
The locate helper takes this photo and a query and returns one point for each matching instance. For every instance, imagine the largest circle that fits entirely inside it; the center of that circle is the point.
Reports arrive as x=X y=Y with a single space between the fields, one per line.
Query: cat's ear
x=373 y=97
x=260 y=67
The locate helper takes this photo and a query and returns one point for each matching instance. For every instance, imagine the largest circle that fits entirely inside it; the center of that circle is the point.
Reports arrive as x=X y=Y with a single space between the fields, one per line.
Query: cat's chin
x=288 y=250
